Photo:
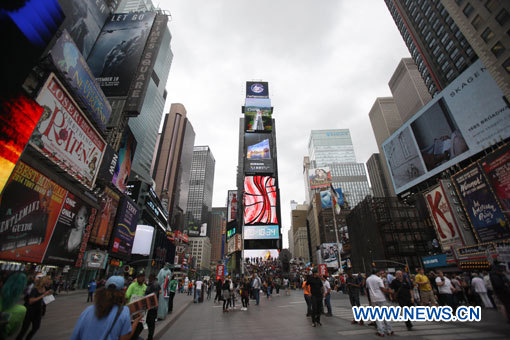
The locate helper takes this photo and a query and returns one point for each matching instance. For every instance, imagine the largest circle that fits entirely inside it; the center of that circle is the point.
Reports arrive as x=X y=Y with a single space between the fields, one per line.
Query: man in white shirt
x=478 y=285
x=376 y=290
x=327 y=294
x=198 y=289
x=444 y=286
x=256 y=285
x=286 y=284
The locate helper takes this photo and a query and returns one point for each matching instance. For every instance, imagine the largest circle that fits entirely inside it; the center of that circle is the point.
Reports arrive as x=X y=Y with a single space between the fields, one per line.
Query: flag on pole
x=335 y=197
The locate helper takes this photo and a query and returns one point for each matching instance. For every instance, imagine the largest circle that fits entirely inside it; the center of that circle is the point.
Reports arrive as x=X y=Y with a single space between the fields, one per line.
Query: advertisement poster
x=126 y=154
x=105 y=219
x=326 y=201
x=29 y=208
x=68 y=59
x=232 y=205
x=125 y=227
x=118 y=50
x=84 y=20
x=257 y=89
x=65 y=135
x=261 y=232
x=481 y=205
x=464 y=119
x=319 y=178
x=108 y=165
x=18 y=117
x=258 y=119
x=74 y=223
x=258 y=153
x=263 y=254
x=496 y=166
x=260 y=200
x=96 y=259
x=446 y=227
x=329 y=254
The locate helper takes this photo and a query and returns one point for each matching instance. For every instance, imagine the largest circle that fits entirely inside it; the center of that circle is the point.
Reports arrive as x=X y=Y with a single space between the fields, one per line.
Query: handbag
x=119 y=310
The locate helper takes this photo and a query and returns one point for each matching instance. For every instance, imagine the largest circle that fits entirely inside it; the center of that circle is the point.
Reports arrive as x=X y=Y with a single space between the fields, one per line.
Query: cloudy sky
x=326 y=62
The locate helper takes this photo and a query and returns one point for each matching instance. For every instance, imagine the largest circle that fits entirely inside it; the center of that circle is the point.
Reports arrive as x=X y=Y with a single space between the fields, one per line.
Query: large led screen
x=232 y=205
x=257 y=89
x=261 y=232
x=319 y=178
x=125 y=227
x=258 y=153
x=260 y=199
x=464 y=119
x=257 y=119
x=264 y=254
x=126 y=154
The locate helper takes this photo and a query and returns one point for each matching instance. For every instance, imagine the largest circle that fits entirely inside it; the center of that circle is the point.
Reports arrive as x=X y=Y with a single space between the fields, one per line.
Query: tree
x=285 y=257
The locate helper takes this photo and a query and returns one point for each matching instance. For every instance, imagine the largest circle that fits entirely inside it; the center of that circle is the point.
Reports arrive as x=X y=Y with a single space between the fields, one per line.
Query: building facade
x=299 y=232
x=331 y=146
x=217 y=223
x=201 y=251
x=380 y=185
x=200 y=192
x=434 y=40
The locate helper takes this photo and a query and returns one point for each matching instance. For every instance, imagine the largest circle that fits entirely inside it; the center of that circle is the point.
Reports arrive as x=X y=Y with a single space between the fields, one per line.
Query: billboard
x=65 y=135
x=108 y=165
x=69 y=61
x=319 y=178
x=264 y=254
x=447 y=230
x=258 y=153
x=434 y=261
x=136 y=94
x=257 y=89
x=257 y=102
x=257 y=119
x=126 y=154
x=84 y=20
x=496 y=167
x=481 y=205
x=118 y=50
x=329 y=254
x=105 y=220
x=203 y=229
x=143 y=240
x=18 y=117
x=29 y=208
x=327 y=202
x=260 y=197
x=261 y=232
x=232 y=205
x=464 y=119
x=71 y=231
x=125 y=227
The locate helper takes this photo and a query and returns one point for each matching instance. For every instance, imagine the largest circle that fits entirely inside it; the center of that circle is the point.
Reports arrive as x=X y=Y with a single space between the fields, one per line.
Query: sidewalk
x=61 y=315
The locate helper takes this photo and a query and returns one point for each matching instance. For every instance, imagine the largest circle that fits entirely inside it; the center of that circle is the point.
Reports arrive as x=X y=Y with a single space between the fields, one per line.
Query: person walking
x=426 y=293
x=108 y=318
x=308 y=297
x=152 y=314
x=256 y=285
x=91 y=289
x=218 y=290
x=353 y=286
x=245 y=294
x=209 y=289
x=317 y=290
x=403 y=292
x=135 y=291
x=198 y=289
x=478 y=285
x=12 y=313
x=376 y=290
x=286 y=283
x=225 y=292
x=327 y=295
x=172 y=289
x=445 y=290
x=501 y=286
x=34 y=305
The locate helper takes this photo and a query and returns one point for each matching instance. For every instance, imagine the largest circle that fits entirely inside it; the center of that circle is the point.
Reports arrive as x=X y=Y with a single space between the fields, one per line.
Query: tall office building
x=486 y=26
x=380 y=185
x=299 y=214
x=217 y=223
x=200 y=192
x=409 y=91
x=172 y=163
x=201 y=250
x=434 y=40
x=126 y=6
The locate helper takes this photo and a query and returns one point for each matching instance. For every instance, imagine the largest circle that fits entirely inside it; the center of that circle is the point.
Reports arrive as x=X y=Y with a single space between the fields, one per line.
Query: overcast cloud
x=326 y=62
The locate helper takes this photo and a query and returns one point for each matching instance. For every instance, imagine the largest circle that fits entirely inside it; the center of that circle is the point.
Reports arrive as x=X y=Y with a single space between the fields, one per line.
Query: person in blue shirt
x=92 y=288
x=108 y=318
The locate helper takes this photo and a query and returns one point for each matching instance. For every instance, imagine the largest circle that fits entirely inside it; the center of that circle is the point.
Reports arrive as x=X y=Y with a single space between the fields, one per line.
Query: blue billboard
x=435 y=261
x=261 y=232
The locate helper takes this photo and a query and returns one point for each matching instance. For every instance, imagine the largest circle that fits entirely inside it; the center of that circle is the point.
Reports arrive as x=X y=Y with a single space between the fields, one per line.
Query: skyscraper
x=435 y=43
x=380 y=185
x=217 y=223
x=200 y=192
x=126 y=6
x=172 y=163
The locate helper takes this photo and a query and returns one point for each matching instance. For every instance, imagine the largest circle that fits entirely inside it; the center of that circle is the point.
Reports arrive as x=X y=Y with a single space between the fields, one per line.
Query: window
x=468 y=10
x=459 y=2
x=445 y=65
x=498 y=49
x=449 y=46
x=454 y=54
x=487 y=35
x=460 y=62
x=506 y=65
x=436 y=51
x=491 y=5
x=502 y=17
x=477 y=22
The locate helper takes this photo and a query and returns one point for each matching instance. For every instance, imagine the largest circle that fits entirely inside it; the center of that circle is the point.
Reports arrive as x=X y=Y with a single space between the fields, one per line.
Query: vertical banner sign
x=125 y=227
x=139 y=85
x=232 y=205
x=481 y=205
x=18 y=118
x=65 y=135
x=323 y=270
x=496 y=166
x=105 y=220
x=69 y=61
x=126 y=155
x=29 y=208
x=220 y=269
x=72 y=228
x=446 y=227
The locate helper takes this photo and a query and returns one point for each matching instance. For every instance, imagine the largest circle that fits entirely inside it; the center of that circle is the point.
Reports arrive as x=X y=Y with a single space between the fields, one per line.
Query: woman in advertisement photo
x=71 y=242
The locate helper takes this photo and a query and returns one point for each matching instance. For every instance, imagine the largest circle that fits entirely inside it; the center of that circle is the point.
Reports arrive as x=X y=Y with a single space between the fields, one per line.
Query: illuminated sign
x=261 y=232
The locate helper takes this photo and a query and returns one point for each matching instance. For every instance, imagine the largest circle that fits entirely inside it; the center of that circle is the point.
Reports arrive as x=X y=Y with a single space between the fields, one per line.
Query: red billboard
x=105 y=220
x=259 y=200
x=496 y=166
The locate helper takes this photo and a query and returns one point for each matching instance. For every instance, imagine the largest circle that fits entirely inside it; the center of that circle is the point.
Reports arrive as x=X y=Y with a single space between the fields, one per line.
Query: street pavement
x=283 y=317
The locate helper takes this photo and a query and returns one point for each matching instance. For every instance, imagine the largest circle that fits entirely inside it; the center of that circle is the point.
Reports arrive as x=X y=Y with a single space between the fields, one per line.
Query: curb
x=167 y=323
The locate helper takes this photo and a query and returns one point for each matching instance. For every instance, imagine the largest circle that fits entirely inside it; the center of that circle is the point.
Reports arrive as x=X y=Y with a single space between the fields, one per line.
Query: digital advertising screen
x=261 y=232
x=257 y=89
x=258 y=153
x=264 y=254
x=260 y=198
x=258 y=119
x=496 y=167
x=464 y=119
x=105 y=220
x=125 y=227
x=126 y=154
x=327 y=202
x=232 y=205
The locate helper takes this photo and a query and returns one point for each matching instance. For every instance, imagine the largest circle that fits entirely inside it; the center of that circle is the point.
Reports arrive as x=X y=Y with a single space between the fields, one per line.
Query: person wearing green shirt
x=137 y=288
x=172 y=288
x=12 y=314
